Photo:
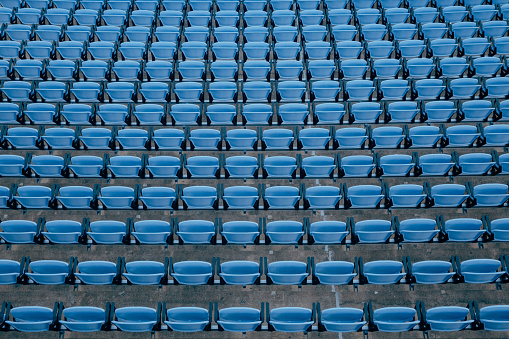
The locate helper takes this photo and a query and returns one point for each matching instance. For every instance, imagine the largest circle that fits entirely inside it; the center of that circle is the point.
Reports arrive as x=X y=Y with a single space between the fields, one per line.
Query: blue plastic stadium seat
x=107 y=231
x=199 y=197
x=487 y=66
x=224 y=70
x=476 y=110
x=42 y=114
x=481 y=271
x=18 y=32
x=257 y=113
x=395 y=319
x=240 y=232
x=448 y=318
x=187 y=319
x=430 y=88
x=227 y=18
x=93 y=70
x=291 y=319
x=285 y=50
x=241 y=139
x=320 y=197
x=293 y=113
x=168 y=138
x=198 y=18
x=368 y=16
x=418 y=230
x=222 y=91
x=318 y=166
x=325 y=90
x=359 y=90
x=185 y=114
x=188 y=91
x=284 y=232
x=495 y=29
x=196 y=231
x=386 y=68
x=114 y=17
x=9 y=272
x=357 y=165
x=287 y=272
x=39 y=49
x=11 y=165
x=142 y=17
x=135 y=319
x=401 y=30
x=289 y=69
x=239 y=319
x=500 y=229
x=335 y=272
x=461 y=136
x=192 y=272
x=113 y=114
x=33 y=196
x=257 y=50
x=30 y=16
x=342 y=319
x=283 y=17
x=171 y=18
x=155 y=91
x=86 y=91
x=329 y=112
x=464 y=229
x=163 y=166
x=387 y=137
x=282 y=197
x=351 y=137
x=496 y=135
x=96 y=272
x=10 y=49
x=120 y=91
x=255 y=33
x=440 y=46
x=62 y=69
x=339 y=16
x=490 y=194
x=277 y=138
x=280 y=166
x=453 y=67
x=344 y=35
x=167 y=33
x=108 y=34
x=317 y=50
x=86 y=166
x=101 y=49
x=126 y=70
x=71 y=49
x=394 y=89
x=227 y=5
x=365 y=196
x=432 y=271
x=328 y=232
x=314 y=33
x=448 y=195
x=83 y=318
x=383 y=272
x=22 y=137
x=402 y=111
x=47 y=165
x=48 y=272
x=202 y=166
x=63 y=231
x=406 y=195
x=483 y=12
x=17 y=90
x=240 y=272
x=494 y=318
x=28 y=69
x=411 y=48
x=205 y=139
x=497 y=87
x=116 y=197
x=257 y=69
x=396 y=164
x=159 y=70
x=125 y=166
x=31 y=318
x=321 y=69
x=464 y=87
x=144 y=272
x=18 y=231
x=439 y=110
x=475 y=163
x=241 y=166
x=373 y=231
x=10 y=113
x=420 y=68
x=194 y=50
